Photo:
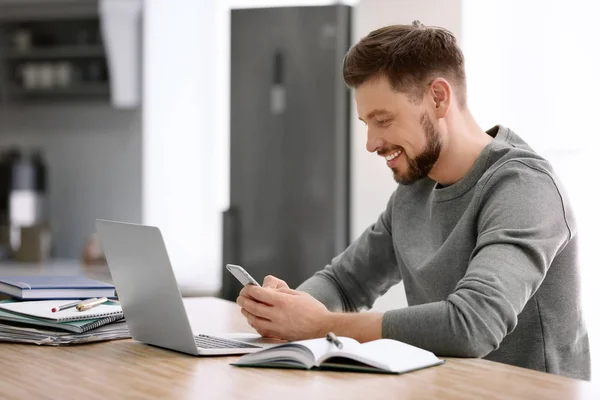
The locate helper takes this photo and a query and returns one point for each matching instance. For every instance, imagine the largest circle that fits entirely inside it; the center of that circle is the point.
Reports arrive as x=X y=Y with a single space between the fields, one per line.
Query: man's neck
x=464 y=144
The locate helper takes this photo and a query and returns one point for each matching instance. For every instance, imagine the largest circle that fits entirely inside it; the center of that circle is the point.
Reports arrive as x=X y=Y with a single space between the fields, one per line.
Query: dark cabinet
x=51 y=50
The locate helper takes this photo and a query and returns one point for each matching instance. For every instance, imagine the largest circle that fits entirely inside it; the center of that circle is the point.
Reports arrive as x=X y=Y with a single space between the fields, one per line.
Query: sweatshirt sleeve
x=360 y=274
x=522 y=225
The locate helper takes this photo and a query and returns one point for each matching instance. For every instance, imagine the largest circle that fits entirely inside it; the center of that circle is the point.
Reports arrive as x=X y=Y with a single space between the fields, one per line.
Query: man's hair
x=410 y=56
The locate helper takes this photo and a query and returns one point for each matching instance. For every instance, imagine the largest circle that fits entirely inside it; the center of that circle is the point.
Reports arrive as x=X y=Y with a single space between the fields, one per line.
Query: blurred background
x=227 y=124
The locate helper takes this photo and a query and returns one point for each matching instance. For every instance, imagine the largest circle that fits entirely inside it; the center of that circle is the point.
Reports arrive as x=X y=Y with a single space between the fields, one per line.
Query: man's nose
x=374 y=142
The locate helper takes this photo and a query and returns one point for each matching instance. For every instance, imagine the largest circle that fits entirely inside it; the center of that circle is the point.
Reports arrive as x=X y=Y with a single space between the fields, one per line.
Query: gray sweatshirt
x=489 y=265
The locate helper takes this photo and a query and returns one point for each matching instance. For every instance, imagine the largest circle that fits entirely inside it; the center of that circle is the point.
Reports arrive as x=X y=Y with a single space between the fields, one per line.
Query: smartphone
x=241 y=275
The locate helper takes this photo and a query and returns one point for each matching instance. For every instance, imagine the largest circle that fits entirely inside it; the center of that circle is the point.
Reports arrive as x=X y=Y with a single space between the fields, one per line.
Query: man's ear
x=441 y=92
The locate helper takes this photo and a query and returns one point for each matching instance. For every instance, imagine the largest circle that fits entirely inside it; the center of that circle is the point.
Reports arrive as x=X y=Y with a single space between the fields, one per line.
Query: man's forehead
x=370 y=105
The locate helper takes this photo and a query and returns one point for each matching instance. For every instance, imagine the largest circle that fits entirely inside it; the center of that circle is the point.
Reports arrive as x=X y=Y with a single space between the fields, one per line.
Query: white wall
x=180 y=164
x=533 y=66
x=93 y=154
x=371 y=180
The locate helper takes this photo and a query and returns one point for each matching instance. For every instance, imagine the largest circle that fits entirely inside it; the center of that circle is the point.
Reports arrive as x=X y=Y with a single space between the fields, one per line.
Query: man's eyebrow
x=376 y=112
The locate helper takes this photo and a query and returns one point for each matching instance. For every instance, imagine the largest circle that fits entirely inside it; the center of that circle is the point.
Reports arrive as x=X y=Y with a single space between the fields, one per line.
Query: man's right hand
x=272 y=282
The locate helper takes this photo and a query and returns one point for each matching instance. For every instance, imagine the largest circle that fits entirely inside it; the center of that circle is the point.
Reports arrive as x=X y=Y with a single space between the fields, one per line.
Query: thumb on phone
x=274 y=283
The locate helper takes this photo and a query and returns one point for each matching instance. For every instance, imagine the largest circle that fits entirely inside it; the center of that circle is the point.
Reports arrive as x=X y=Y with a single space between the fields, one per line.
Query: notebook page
x=43 y=309
x=319 y=347
x=398 y=356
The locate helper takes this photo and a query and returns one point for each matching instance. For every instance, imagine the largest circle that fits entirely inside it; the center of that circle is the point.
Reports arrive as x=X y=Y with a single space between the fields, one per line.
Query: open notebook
x=43 y=310
x=383 y=355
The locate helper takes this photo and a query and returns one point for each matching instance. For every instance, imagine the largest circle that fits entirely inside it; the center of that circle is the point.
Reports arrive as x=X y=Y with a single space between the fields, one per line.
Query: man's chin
x=403 y=179
x=398 y=177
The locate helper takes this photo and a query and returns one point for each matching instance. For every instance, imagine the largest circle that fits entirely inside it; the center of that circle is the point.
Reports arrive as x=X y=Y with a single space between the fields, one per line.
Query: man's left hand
x=283 y=313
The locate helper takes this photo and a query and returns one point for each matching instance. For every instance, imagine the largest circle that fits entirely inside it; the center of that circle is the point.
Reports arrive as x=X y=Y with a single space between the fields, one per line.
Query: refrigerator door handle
x=278 y=94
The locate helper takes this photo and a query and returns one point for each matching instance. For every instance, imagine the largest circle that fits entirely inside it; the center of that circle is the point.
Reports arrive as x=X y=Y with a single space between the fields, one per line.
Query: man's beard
x=420 y=166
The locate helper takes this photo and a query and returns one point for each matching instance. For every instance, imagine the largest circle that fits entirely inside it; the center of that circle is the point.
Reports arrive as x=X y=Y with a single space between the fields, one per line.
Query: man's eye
x=383 y=121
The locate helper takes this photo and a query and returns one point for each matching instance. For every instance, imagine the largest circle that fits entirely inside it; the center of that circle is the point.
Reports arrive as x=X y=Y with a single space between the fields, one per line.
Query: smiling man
x=479 y=230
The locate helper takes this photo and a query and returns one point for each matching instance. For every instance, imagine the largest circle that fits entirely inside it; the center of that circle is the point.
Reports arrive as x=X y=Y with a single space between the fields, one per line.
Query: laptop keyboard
x=211 y=342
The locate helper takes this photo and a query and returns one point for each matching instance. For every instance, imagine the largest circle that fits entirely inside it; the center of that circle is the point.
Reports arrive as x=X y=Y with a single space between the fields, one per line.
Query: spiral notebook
x=69 y=326
x=43 y=310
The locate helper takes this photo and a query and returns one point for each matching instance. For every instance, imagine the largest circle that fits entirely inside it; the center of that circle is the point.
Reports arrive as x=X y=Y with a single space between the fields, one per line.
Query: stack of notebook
x=33 y=321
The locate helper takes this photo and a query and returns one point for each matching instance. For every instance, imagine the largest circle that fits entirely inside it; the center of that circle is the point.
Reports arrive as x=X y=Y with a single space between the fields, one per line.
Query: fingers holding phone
x=270 y=282
x=245 y=278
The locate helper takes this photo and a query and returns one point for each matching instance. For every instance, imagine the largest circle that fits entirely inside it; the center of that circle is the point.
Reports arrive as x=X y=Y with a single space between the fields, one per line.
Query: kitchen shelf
x=57 y=52
x=36 y=56
x=96 y=89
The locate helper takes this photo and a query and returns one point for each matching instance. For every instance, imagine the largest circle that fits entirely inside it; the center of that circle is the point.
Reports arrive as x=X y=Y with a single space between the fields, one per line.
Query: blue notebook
x=54 y=287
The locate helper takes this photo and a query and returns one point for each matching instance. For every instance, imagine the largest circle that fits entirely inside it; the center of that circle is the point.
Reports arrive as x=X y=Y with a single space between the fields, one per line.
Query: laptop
x=150 y=298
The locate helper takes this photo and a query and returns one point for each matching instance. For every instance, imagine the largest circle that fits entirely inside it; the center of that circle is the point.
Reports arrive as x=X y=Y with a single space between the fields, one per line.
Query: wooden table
x=132 y=370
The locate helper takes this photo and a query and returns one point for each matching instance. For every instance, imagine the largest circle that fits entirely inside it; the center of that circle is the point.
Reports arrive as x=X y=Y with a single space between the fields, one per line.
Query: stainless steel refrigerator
x=289 y=208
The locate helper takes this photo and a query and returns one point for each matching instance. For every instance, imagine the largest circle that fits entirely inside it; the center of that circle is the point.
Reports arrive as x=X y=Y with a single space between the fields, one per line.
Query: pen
x=65 y=306
x=333 y=339
x=84 y=306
